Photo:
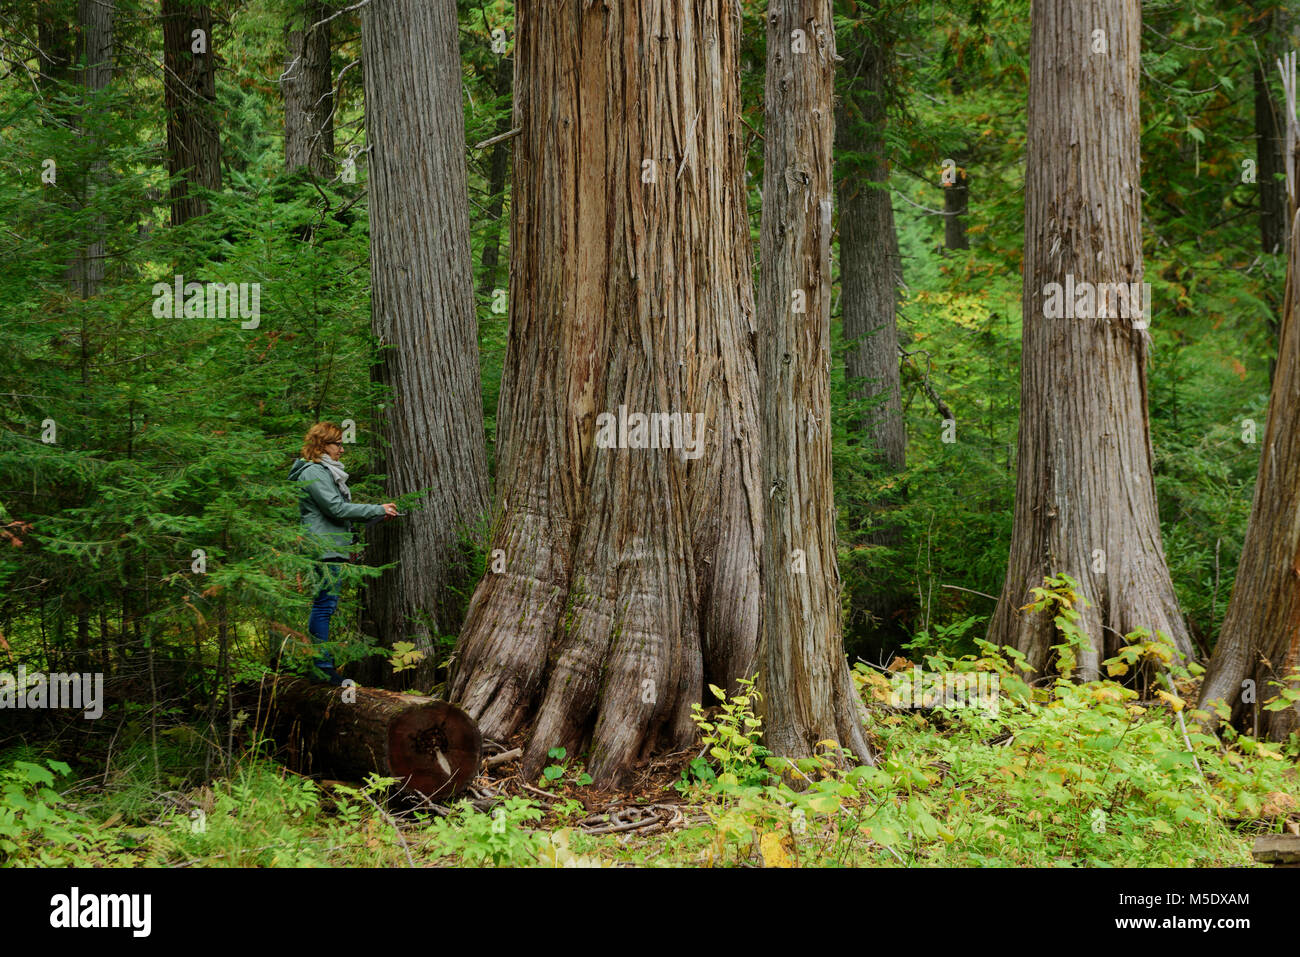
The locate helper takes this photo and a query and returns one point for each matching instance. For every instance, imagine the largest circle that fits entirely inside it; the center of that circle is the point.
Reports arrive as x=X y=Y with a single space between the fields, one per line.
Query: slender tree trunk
x=54 y=40
x=808 y=695
x=498 y=167
x=870 y=273
x=422 y=304
x=95 y=19
x=1270 y=123
x=870 y=265
x=1259 y=645
x=956 y=199
x=308 y=86
x=1085 y=494
x=628 y=575
x=189 y=93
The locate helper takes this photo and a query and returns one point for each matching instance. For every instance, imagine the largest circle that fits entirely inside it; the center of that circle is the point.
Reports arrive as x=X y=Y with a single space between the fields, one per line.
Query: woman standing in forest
x=326 y=508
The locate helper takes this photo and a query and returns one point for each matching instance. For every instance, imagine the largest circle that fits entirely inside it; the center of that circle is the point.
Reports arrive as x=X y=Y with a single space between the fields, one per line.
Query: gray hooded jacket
x=326 y=512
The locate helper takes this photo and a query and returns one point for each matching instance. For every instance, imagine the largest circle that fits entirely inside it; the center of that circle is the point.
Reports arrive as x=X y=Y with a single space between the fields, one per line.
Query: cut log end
x=436 y=749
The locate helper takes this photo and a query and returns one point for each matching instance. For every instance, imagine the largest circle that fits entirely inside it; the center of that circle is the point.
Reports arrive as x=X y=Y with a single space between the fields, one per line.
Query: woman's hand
x=390 y=510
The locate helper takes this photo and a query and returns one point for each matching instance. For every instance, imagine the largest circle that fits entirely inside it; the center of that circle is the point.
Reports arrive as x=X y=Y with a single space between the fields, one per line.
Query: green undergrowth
x=1046 y=772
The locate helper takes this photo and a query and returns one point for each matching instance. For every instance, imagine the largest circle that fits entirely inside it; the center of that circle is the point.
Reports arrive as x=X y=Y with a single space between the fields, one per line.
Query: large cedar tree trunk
x=1085 y=493
x=308 y=90
x=189 y=94
x=629 y=575
x=807 y=693
x=422 y=311
x=1260 y=639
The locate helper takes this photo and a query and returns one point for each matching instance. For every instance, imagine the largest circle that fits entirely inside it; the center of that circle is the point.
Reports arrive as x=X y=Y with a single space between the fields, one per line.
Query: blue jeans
x=329 y=576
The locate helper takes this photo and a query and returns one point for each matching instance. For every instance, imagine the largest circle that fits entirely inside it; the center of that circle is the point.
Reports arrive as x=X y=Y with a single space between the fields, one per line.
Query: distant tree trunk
x=628 y=575
x=498 y=166
x=808 y=695
x=54 y=40
x=189 y=93
x=870 y=265
x=308 y=88
x=1085 y=494
x=1269 y=127
x=870 y=273
x=1260 y=639
x=956 y=199
x=95 y=19
x=422 y=305
x=1270 y=149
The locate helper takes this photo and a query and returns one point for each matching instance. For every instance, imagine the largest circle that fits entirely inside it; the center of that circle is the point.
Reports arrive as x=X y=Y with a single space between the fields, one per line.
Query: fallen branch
x=502 y=758
x=499 y=138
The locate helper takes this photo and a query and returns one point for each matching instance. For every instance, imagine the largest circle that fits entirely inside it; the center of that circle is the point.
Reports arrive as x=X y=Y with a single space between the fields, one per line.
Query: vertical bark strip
x=189 y=94
x=629 y=573
x=808 y=695
x=1085 y=493
x=308 y=87
x=422 y=311
x=1260 y=639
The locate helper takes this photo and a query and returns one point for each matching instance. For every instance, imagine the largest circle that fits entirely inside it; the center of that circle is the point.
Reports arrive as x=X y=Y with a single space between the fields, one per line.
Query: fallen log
x=430 y=746
x=1280 y=850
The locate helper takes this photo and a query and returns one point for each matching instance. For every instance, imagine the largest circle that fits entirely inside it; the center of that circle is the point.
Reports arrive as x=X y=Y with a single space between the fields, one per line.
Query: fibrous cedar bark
x=422 y=312
x=307 y=84
x=1085 y=493
x=430 y=746
x=189 y=94
x=807 y=693
x=622 y=578
x=1259 y=644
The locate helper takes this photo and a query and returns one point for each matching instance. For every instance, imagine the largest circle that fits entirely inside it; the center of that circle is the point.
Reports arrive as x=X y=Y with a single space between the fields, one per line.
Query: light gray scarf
x=340 y=476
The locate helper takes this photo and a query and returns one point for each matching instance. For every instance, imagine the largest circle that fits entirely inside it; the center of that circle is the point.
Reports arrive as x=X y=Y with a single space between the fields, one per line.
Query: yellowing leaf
x=774 y=854
x=1172 y=700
